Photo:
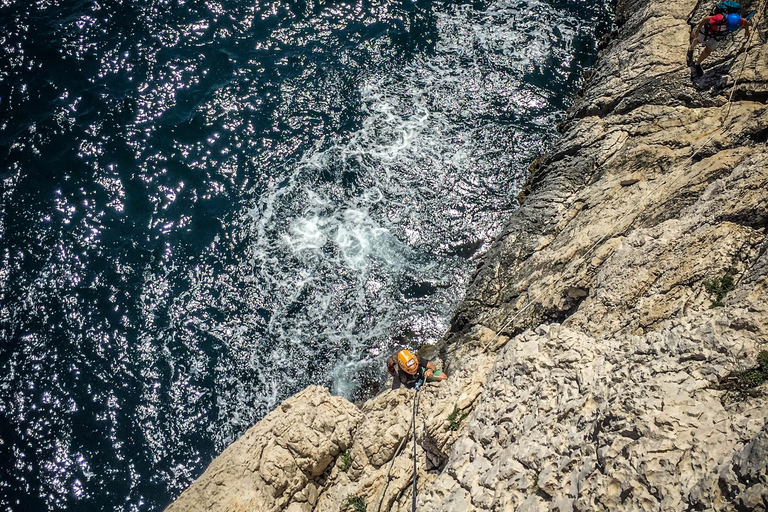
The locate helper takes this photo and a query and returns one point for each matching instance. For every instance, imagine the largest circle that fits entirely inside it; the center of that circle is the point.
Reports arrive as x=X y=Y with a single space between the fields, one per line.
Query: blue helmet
x=733 y=22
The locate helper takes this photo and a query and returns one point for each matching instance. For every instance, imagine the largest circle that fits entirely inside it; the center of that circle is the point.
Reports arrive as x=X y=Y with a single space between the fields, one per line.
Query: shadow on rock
x=714 y=79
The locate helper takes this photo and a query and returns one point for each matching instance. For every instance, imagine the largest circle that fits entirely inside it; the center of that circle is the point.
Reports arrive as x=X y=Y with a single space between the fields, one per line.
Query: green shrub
x=719 y=288
x=752 y=378
x=762 y=361
x=455 y=418
x=356 y=503
x=346 y=460
x=755 y=376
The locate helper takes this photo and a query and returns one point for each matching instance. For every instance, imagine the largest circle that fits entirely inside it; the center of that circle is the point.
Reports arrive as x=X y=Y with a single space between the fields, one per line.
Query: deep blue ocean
x=208 y=205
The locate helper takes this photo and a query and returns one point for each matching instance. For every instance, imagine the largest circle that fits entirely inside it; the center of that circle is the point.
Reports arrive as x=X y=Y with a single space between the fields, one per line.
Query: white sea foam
x=355 y=252
x=306 y=234
x=326 y=259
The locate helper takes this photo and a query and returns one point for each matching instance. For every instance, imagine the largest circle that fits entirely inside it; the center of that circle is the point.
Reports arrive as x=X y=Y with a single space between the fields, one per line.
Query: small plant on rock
x=719 y=288
x=762 y=361
x=355 y=503
x=455 y=418
x=756 y=376
x=752 y=378
x=345 y=460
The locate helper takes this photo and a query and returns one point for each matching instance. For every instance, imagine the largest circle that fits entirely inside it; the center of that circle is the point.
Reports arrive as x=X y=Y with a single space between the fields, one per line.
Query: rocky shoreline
x=593 y=371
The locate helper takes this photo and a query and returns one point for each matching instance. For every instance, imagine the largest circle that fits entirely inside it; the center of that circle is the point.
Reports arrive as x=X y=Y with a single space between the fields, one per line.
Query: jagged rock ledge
x=593 y=369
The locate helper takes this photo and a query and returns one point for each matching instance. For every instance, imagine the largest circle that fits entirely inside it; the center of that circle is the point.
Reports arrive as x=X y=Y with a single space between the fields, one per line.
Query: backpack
x=726 y=7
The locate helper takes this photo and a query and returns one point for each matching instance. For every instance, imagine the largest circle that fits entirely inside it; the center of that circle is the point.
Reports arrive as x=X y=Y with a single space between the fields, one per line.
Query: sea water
x=208 y=205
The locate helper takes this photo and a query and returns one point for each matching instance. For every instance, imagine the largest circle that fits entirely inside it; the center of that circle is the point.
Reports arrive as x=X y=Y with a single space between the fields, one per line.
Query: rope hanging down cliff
x=759 y=11
x=415 y=412
x=397 y=452
x=641 y=204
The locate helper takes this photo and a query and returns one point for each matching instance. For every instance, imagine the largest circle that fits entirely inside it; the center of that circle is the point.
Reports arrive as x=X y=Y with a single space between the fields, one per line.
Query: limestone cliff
x=595 y=372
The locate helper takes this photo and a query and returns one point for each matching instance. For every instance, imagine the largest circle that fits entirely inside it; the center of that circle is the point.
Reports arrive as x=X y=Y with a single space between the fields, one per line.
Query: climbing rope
x=415 y=412
x=394 y=457
x=759 y=11
x=641 y=204
x=397 y=452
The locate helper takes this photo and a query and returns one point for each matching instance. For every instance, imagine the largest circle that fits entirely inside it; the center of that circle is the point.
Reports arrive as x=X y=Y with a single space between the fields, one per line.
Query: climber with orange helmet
x=408 y=369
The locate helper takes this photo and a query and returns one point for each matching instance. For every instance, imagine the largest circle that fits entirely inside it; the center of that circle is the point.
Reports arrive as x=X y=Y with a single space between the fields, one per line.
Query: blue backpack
x=727 y=7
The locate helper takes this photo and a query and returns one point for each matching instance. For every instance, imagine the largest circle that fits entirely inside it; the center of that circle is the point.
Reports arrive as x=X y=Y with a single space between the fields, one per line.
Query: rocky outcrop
x=589 y=361
x=275 y=465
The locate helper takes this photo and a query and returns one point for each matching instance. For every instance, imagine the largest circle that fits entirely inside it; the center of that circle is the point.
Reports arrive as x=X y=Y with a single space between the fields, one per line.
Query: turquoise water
x=206 y=206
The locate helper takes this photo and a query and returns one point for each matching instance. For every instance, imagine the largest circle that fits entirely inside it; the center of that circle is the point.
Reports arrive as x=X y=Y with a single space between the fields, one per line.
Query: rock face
x=595 y=373
x=275 y=464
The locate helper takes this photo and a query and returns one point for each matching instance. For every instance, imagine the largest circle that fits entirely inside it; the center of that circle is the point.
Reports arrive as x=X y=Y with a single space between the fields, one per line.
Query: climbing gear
x=408 y=362
x=698 y=71
x=733 y=22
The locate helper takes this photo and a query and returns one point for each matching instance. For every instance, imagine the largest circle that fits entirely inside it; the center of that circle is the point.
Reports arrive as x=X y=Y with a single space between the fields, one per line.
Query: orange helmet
x=408 y=361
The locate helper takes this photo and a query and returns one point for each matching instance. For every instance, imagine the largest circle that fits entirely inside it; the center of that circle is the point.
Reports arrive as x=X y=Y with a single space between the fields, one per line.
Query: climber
x=409 y=369
x=725 y=19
